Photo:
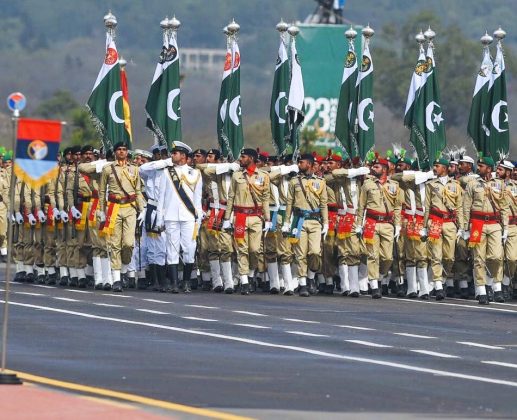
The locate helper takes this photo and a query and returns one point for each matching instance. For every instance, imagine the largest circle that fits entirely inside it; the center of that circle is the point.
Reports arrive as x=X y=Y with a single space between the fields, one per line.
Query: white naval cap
x=179 y=146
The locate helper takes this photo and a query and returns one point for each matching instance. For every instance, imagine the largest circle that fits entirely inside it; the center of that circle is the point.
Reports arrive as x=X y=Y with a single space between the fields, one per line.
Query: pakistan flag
x=163 y=102
x=347 y=101
x=423 y=114
x=106 y=103
x=229 y=118
x=279 y=96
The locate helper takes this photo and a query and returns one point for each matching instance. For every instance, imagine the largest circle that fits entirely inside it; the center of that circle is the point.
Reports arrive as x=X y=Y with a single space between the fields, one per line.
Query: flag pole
x=9 y=378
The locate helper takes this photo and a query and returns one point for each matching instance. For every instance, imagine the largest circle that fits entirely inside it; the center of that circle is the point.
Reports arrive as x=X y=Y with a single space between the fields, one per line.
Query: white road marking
x=202 y=307
x=249 y=313
x=153 y=312
x=65 y=299
x=368 y=343
x=437 y=305
x=78 y=291
x=415 y=335
x=306 y=334
x=156 y=301
x=44 y=286
x=434 y=353
x=194 y=318
x=297 y=349
x=29 y=293
x=352 y=327
x=109 y=305
x=491 y=362
x=116 y=295
x=300 y=320
x=260 y=327
x=484 y=346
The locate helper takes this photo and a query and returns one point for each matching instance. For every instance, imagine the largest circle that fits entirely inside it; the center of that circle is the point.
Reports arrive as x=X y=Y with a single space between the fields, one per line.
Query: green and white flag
x=295 y=103
x=278 y=110
x=347 y=101
x=163 y=106
x=106 y=103
x=479 y=119
x=362 y=112
x=423 y=114
x=229 y=119
x=499 y=141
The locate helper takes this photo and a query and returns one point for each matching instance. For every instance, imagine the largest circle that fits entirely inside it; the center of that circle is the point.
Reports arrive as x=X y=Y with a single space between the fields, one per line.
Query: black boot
x=311 y=286
x=172 y=275
x=490 y=293
x=440 y=295
x=82 y=283
x=498 y=297
x=187 y=271
x=506 y=292
x=303 y=292
x=63 y=281
x=90 y=281
x=464 y=293
x=376 y=293
x=384 y=289
x=124 y=280
x=161 y=279
x=30 y=277
x=74 y=282
x=19 y=277
x=153 y=278
x=449 y=291
x=483 y=300
x=51 y=279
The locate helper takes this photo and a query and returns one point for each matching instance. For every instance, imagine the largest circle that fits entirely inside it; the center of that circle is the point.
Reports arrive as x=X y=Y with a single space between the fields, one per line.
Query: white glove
x=325 y=230
x=286 y=228
x=101 y=216
x=421 y=177
x=423 y=233
x=64 y=216
x=287 y=169
x=466 y=235
x=76 y=214
x=235 y=166
x=359 y=231
x=56 y=214
x=505 y=236
x=19 y=218
x=32 y=219
x=41 y=216
x=352 y=173
x=397 y=232
x=267 y=227
x=141 y=217
x=13 y=218
x=459 y=234
x=227 y=225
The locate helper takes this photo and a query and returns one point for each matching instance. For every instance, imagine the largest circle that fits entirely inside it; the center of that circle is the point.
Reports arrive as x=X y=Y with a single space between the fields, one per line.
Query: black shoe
x=229 y=291
x=131 y=283
x=245 y=289
x=384 y=289
x=288 y=293
x=274 y=291
x=208 y=285
x=63 y=281
x=506 y=292
x=303 y=292
x=30 y=277
x=124 y=280
x=99 y=286
x=449 y=291
x=424 y=297
x=40 y=279
x=3 y=258
x=363 y=292
x=193 y=284
x=402 y=292
x=483 y=300
x=172 y=276
x=347 y=293
x=187 y=271
x=141 y=284
x=321 y=288
x=19 y=277
x=311 y=286
x=376 y=293
x=107 y=287
x=440 y=295
x=354 y=294
x=329 y=289
x=117 y=286
x=490 y=293
x=393 y=287
x=82 y=283
x=266 y=287
x=51 y=279
x=74 y=282
x=412 y=295
x=217 y=289
x=90 y=281
x=498 y=297
x=282 y=289
x=464 y=293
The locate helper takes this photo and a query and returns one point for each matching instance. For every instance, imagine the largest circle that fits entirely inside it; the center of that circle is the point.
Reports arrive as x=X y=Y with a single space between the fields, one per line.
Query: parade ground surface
x=85 y=354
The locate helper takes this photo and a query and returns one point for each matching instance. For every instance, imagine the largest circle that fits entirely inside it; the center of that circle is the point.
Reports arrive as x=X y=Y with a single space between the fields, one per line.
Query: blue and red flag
x=37 y=148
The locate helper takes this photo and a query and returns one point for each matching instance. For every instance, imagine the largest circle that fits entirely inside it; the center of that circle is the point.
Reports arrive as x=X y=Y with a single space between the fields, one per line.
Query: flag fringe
x=99 y=126
x=38 y=182
x=155 y=129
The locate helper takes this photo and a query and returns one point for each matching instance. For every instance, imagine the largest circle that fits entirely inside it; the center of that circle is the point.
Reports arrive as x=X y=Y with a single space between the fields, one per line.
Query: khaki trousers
x=441 y=252
x=379 y=254
x=3 y=225
x=248 y=250
x=510 y=252
x=488 y=255
x=122 y=240
x=307 y=251
x=49 y=250
x=203 y=249
x=330 y=259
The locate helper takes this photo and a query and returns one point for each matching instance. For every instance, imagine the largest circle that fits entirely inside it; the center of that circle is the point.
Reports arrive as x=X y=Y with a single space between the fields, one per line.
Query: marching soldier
x=485 y=210
x=443 y=222
x=5 y=186
x=248 y=203
x=504 y=170
x=378 y=221
x=120 y=201
x=306 y=218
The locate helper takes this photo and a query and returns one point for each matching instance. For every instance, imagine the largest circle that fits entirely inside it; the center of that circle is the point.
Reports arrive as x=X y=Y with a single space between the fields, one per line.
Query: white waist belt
x=152 y=202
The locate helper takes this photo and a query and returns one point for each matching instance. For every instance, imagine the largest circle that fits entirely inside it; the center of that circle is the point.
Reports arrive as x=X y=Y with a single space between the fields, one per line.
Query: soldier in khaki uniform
x=120 y=202
x=443 y=221
x=306 y=218
x=248 y=202
x=5 y=183
x=485 y=209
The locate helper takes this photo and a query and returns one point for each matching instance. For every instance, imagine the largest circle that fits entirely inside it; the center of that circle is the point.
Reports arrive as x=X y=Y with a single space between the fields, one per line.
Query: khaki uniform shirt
x=383 y=198
x=315 y=196
x=446 y=198
x=129 y=181
x=487 y=197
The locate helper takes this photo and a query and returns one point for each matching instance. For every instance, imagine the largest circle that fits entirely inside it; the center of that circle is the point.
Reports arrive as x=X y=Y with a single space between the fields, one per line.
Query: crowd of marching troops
x=173 y=222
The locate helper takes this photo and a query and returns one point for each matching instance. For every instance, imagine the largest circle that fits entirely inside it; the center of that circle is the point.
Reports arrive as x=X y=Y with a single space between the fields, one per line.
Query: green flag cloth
x=279 y=95
x=499 y=142
x=229 y=119
x=106 y=103
x=295 y=103
x=362 y=112
x=163 y=106
x=347 y=101
x=423 y=114
x=479 y=118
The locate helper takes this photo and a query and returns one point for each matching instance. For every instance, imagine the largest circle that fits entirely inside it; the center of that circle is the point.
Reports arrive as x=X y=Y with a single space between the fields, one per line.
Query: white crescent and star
x=112 y=107
x=222 y=111
x=170 y=100
x=431 y=118
x=233 y=108
x=281 y=95
x=360 y=113
x=496 y=114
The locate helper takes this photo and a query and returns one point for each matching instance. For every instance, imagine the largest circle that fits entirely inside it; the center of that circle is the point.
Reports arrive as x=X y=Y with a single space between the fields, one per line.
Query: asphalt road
x=274 y=356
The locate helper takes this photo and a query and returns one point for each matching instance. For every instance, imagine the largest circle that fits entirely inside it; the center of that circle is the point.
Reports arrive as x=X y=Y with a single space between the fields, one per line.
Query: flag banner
x=106 y=103
x=479 y=118
x=499 y=129
x=125 y=105
x=223 y=101
x=362 y=113
x=295 y=103
x=348 y=101
x=37 y=148
x=279 y=95
x=163 y=106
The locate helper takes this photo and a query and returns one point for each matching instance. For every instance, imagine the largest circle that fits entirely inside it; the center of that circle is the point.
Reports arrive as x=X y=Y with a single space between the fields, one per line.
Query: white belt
x=351 y=211
x=273 y=208
x=282 y=207
x=217 y=207
x=409 y=212
x=419 y=213
x=341 y=212
x=152 y=202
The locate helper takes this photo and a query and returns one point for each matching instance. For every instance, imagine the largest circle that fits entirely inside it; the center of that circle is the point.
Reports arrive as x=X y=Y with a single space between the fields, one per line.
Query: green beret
x=487 y=160
x=441 y=161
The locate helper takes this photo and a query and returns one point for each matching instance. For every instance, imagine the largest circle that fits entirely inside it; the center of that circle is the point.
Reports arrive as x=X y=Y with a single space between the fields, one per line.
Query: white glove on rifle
x=32 y=219
x=267 y=227
x=286 y=228
x=141 y=217
x=19 y=218
x=466 y=235
x=287 y=169
x=41 y=216
x=76 y=214
x=359 y=231
x=352 y=173
x=227 y=225
x=64 y=216
x=459 y=234
x=325 y=231
x=101 y=216
x=423 y=233
x=56 y=214
x=397 y=232
x=505 y=236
